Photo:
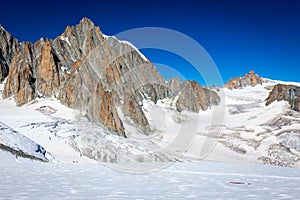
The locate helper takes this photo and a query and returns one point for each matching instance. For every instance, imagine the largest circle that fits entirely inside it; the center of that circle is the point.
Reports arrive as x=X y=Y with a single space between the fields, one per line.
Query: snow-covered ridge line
x=65 y=39
x=19 y=145
x=136 y=49
x=268 y=80
x=2 y=28
x=127 y=43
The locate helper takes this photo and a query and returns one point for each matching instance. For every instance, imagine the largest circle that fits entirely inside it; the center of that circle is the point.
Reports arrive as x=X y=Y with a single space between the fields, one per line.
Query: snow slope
x=189 y=180
x=69 y=137
x=20 y=145
x=38 y=121
x=241 y=129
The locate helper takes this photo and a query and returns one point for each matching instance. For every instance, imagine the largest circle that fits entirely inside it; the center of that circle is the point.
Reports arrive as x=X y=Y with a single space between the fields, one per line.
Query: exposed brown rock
x=288 y=93
x=20 y=81
x=72 y=85
x=193 y=97
x=133 y=109
x=250 y=79
x=82 y=90
x=9 y=46
x=48 y=75
x=96 y=74
x=104 y=110
x=4 y=68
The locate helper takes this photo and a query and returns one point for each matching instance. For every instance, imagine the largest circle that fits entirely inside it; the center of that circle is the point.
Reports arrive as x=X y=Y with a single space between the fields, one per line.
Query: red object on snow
x=239 y=183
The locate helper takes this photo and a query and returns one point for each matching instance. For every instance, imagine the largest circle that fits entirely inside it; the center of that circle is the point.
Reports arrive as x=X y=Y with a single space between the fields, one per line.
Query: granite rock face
x=4 y=68
x=193 y=97
x=174 y=86
x=101 y=76
x=250 y=79
x=8 y=48
x=21 y=81
x=289 y=93
x=48 y=76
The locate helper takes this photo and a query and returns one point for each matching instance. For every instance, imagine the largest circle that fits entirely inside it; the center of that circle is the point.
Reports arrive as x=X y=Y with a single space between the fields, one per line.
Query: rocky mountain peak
x=86 y=22
x=249 y=79
x=8 y=48
x=101 y=76
x=67 y=33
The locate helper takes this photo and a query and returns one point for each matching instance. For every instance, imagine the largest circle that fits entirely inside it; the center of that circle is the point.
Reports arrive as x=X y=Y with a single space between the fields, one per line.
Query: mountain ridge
x=112 y=85
x=91 y=72
x=249 y=79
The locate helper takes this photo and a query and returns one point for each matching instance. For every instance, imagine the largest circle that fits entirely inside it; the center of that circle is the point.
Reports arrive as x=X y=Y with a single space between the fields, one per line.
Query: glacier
x=26 y=179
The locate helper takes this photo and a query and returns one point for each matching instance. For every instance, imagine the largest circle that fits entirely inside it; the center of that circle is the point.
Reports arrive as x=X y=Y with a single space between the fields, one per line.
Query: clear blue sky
x=239 y=35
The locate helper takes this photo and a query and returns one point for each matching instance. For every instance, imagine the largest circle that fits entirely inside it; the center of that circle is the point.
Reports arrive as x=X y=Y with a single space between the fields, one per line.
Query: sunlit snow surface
x=192 y=180
x=246 y=137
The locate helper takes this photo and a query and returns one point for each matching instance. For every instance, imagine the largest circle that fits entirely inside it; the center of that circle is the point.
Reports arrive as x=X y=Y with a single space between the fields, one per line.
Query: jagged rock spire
x=250 y=79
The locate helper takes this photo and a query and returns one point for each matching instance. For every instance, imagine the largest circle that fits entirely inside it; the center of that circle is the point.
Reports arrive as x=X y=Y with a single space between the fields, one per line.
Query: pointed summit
x=84 y=27
x=86 y=20
x=249 y=79
x=86 y=24
x=95 y=74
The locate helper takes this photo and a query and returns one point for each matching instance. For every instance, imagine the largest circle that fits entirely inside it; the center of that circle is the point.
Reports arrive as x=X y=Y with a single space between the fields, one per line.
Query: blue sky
x=239 y=35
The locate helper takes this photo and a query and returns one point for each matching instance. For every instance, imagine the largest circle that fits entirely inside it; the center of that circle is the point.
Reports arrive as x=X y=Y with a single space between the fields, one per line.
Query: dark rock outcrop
x=4 y=68
x=288 y=93
x=250 y=79
x=8 y=49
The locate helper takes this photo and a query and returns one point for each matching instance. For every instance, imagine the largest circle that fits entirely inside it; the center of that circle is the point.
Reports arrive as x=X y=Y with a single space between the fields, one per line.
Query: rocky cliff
x=21 y=80
x=289 y=93
x=250 y=79
x=194 y=97
x=99 y=75
x=8 y=48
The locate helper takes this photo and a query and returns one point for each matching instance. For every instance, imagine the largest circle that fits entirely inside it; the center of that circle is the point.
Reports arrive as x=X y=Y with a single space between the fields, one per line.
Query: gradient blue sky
x=239 y=35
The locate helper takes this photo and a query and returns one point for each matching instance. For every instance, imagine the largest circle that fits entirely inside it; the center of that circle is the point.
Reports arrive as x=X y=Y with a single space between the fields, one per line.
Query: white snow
x=197 y=180
x=136 y=49
x=239 y=135
x=184 y=136
x=18 y=142
x=67 y=135
x=37 y=120
x=1 y=27
x=105 y=36
x=126 y=43
x=273 y=82
x=65 y=69
x=65 y=39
